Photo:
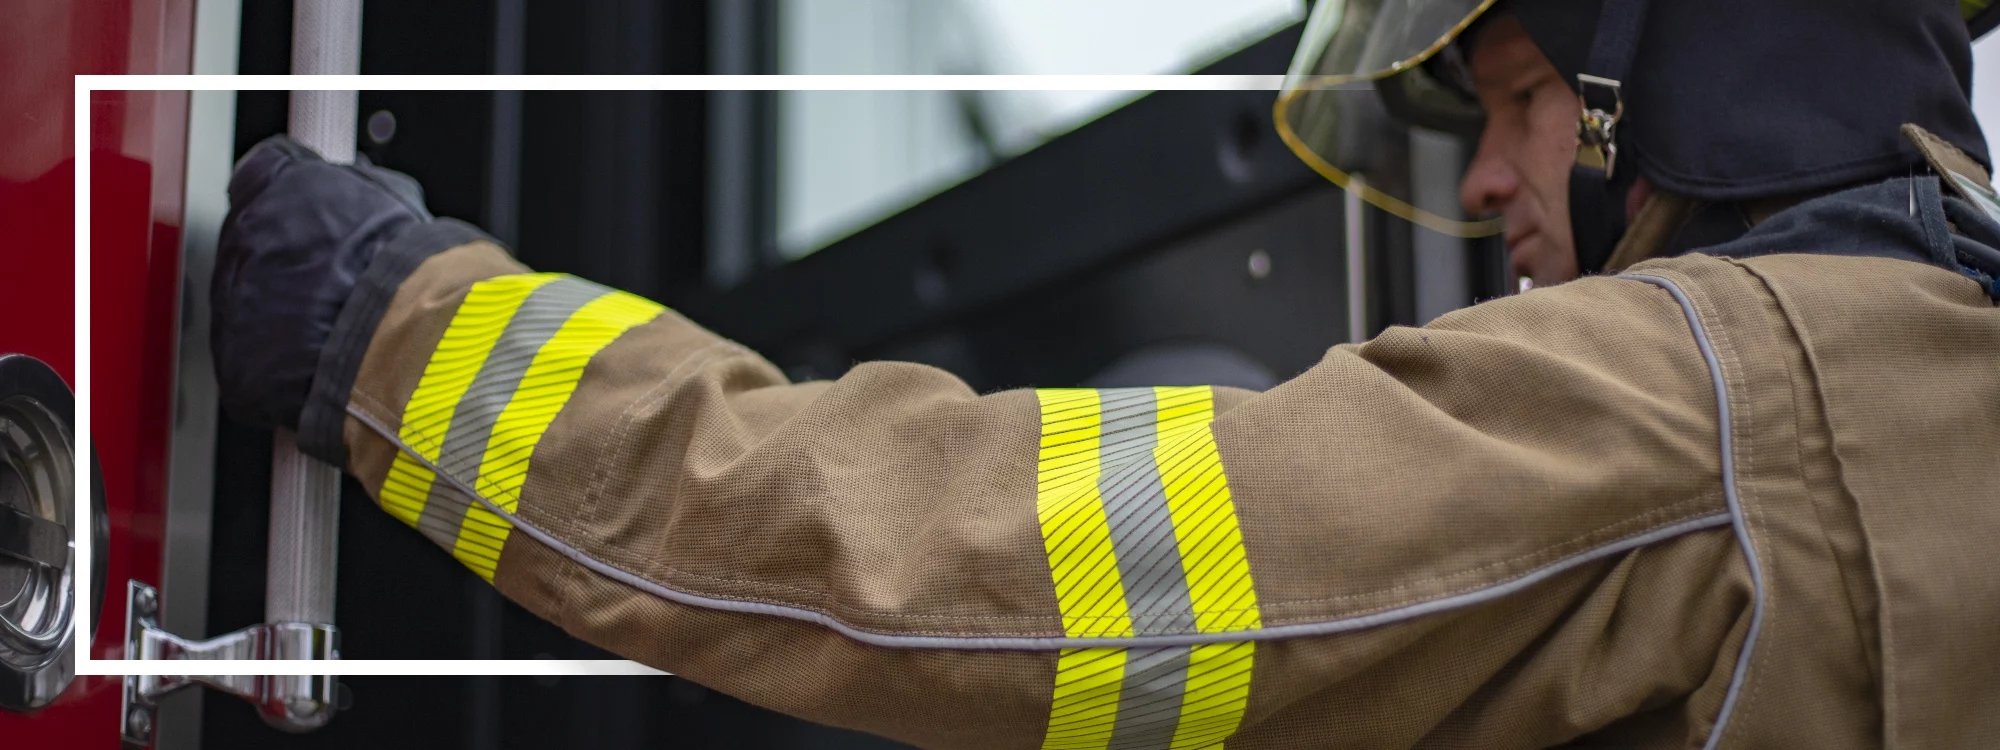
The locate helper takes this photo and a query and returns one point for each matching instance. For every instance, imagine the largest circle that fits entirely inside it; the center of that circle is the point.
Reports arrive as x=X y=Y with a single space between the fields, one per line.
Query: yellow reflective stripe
x=1218 y=571
x=1084 y=708
x=1077 y=538
x=404 y=490
x=1211 y=542
x=545 y=388
x=1218 y=691
x=1092 y=488
x=502 y=323
x=1074 y=530
x=475 y=327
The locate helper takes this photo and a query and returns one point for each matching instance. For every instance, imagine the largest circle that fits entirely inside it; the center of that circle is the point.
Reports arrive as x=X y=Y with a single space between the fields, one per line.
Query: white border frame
x=86 y=84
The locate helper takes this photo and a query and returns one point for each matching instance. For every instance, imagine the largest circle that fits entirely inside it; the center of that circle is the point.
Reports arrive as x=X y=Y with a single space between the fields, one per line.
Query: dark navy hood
x=1733 y=100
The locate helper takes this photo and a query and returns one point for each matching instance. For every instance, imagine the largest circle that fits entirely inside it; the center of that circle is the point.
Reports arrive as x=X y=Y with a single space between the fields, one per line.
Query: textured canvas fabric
x=1507 y=529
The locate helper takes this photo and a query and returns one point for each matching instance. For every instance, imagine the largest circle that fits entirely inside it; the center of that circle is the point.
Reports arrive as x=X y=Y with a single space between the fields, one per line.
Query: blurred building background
x=847 y=159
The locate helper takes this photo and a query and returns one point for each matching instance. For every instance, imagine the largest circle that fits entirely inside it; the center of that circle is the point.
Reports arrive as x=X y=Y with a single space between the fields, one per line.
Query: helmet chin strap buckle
x=1597 y=126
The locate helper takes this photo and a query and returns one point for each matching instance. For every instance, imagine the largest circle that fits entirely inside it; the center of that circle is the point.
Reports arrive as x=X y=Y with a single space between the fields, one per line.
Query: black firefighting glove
x=299 y=235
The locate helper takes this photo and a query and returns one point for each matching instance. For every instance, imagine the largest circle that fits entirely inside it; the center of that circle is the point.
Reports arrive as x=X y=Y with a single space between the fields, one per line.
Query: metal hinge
x=293 y=703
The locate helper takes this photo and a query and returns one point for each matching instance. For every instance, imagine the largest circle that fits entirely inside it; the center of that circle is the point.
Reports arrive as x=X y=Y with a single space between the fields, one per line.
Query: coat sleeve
x=1503 y=529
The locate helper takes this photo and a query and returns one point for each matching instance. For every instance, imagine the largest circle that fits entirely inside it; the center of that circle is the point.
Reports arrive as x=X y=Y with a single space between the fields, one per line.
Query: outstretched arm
x=1471 y=532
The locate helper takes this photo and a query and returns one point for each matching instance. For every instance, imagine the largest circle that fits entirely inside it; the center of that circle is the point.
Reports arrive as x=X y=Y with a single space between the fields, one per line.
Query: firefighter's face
x=1521 y=170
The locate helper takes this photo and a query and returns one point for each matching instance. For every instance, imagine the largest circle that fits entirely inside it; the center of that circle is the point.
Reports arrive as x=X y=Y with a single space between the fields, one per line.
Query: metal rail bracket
x=293 y=703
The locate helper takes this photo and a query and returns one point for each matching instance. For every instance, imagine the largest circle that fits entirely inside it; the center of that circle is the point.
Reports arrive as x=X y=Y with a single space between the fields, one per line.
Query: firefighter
x=1733 y=487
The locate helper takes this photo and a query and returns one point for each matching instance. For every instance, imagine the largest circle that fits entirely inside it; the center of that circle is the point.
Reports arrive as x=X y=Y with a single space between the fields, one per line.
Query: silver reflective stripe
x=1135 y=509
x=1149 y=562
x=1150 y=698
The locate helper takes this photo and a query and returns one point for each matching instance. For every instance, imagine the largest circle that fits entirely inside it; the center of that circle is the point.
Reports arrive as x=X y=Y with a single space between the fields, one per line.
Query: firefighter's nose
x=1490 y=183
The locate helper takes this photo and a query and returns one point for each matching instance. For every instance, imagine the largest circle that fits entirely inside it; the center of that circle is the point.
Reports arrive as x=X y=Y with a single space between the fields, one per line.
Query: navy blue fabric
x=1907 y=218
x=1976 y=244
x=1618 y=26
x=298 y=235
x=1597 y=214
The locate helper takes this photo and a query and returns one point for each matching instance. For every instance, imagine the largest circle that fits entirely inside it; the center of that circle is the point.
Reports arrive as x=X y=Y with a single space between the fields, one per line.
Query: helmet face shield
x=1364 y=70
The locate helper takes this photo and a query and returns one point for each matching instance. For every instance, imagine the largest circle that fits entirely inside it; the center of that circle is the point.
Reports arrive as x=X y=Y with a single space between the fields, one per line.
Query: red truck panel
x=138 y=145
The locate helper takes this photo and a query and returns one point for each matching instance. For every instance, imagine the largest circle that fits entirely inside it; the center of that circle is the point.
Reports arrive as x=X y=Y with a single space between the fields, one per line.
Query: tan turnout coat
x=1613 y=513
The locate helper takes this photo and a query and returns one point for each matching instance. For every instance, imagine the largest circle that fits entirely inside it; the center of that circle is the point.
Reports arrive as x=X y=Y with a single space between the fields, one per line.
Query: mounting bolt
x=381 y=127
x=147 y=602
x=1259 y=264
x=139 y=722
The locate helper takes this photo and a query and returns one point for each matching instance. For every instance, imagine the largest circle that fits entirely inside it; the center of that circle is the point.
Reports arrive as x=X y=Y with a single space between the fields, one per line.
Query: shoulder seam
x=1724 y=428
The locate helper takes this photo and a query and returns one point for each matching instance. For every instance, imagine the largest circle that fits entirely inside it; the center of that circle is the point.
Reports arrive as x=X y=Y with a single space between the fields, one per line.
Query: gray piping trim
x=1736 y=519
x=1051 y=643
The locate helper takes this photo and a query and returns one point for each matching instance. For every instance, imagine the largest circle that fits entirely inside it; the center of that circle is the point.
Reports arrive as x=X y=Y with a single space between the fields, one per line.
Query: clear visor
x=1366 y=71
